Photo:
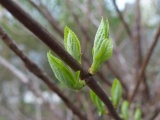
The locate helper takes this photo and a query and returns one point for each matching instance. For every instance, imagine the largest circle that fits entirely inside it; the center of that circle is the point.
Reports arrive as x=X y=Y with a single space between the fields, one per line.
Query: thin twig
x=21 y=76
x=32 y=67
x=25 y=80
x=122 y=19
x=137 y=51
x=145 y=63
x=82 y=28
x=153 y=113
x=137 y=44
x=137 y=37
x=48 y=17
x=49 y=40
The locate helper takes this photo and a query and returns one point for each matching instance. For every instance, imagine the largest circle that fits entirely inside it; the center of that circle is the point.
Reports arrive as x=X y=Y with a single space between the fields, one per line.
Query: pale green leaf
x=61 y=71
x=80 y=84
x=116 y=92
x=125 y=110
x=64 y=74
x=102 y=49
x=102 y=34
x=104 y=53
x=77 y=75
x=138 y=114
x=98 y=103
x=72 y=44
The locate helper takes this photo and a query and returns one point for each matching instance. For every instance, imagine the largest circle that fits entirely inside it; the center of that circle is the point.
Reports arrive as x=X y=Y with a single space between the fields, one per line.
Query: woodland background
x=135 y=33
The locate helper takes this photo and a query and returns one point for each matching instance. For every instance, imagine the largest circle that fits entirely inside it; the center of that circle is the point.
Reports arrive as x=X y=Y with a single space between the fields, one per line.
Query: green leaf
x=98 y=103
x=102 y=34
x=138 y=114
x=102 y=49
x=125 y=110
x=72 y=44
x=116 y=92
x=63 y=73
x=77 y=75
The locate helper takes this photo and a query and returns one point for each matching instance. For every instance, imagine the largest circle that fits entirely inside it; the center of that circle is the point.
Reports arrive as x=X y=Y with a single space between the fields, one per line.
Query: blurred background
x=133 y=25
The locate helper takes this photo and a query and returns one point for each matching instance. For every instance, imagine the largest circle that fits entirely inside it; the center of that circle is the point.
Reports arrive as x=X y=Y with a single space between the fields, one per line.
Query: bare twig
x=136 y=40
x=153 y=113
x=14 y=70
x=137 y=36
x=84 y=31
x=145 y=63
x=82 y=28
x=48 y=39
x=48 y=17
x=25 y=80
x=137 y=44
x=39 y=73
x=122 y=19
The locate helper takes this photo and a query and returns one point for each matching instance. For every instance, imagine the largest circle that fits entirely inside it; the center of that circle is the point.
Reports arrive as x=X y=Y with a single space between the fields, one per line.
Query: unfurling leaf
x=125 y=110
x=63 y=73
x=102 y=49
x=138 y=114
x=116 y=92
x=72 y=44
x=98 y=103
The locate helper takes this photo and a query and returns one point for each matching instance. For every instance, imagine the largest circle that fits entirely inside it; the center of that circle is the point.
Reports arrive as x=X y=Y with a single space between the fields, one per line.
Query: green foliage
x=98 y=103
x=125 y=110
x=138 y=114
x=64 y=74
x=102 y=49
x=116 y=92
x=72 y=44
x=61 y=71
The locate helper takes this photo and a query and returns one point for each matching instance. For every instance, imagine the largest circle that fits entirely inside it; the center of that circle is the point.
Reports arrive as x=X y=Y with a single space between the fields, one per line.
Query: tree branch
x=137 y=45
x=14 y=70
x=48 y=17
x=137 y=37
x=32 y=67
x=145 y=63
x=25 y=80
x=49 y=40
x=122 y=19
x=84 y=31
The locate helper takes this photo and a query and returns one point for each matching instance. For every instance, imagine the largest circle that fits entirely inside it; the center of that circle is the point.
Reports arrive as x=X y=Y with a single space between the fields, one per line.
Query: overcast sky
x=121 y=3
